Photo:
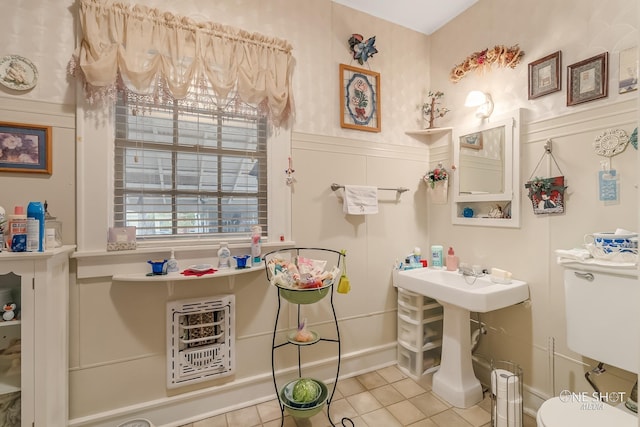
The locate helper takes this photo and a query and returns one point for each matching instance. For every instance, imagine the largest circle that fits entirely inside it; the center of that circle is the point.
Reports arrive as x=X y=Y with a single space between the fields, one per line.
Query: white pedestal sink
x=459 y=295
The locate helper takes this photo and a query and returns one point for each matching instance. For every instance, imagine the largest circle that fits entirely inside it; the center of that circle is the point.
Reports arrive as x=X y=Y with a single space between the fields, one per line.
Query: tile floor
x=382 y=398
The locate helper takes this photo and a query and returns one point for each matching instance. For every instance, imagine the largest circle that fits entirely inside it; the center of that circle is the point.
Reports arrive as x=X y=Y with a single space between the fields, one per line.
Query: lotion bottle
x=452 y=260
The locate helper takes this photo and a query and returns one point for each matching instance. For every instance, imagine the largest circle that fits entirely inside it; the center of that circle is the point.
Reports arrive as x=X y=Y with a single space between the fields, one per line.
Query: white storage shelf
x=39 y=281
x=419 y=334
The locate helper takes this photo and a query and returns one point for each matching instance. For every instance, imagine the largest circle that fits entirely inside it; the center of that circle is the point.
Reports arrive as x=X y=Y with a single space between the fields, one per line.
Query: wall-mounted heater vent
x=200 y=340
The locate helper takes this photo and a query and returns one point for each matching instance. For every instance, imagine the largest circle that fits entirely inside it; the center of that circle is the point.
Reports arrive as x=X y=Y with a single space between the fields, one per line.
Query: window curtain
x=156 y=53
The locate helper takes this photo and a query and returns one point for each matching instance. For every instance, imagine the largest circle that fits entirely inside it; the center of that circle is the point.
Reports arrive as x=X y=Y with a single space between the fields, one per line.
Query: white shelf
x=177 y=277
x=432 y=131
x=9 y=323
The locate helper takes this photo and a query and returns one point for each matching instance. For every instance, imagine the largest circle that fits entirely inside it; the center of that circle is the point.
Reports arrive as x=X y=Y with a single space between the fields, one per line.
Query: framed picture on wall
x=473 y=141
x=359 y=99
x=25 y=148
x=544 y=75
x=628 y=78
x=588 y=80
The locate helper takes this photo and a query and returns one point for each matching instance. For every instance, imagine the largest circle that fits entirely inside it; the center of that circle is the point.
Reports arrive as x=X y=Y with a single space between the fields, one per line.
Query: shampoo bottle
x=35 y=210
x=452 y=260
x=256 y=235
x=436 y=256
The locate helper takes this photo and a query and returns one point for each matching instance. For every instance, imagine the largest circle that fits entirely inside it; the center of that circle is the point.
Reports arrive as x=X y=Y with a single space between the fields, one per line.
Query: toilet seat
x=557 y=413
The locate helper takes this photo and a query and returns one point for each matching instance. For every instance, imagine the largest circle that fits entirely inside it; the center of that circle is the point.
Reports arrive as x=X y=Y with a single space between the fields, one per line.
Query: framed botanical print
x=359 y=99
x=588 y=80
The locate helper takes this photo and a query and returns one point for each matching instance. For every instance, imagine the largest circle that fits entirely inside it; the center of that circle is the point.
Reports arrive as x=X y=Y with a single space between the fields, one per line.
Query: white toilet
x=603 y=324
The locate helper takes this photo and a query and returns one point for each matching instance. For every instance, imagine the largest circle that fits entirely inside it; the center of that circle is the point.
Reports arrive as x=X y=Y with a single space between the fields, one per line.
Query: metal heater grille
x=200 y=341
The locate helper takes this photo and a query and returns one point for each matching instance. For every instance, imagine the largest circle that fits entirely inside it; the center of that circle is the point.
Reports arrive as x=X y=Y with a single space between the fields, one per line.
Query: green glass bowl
x=304 y=296
x=309 y=411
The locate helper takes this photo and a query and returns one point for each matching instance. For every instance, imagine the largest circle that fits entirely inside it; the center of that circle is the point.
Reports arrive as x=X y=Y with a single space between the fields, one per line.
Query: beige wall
x=117 y=329
x=580 y=30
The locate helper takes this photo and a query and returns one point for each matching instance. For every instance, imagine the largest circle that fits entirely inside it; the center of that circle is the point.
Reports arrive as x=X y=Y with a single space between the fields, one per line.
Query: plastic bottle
x=35 y=210
x=224 y=256
x=256 y=234
x=452 y=260
x=436 y=256
x=17 y=223
x=172 y=264
x=417 y=255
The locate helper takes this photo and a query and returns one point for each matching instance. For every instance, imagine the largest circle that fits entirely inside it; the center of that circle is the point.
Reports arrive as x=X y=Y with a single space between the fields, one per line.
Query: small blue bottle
x=35 y=210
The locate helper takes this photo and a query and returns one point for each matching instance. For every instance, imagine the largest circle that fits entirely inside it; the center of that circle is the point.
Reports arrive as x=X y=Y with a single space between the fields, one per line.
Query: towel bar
x=336 y=187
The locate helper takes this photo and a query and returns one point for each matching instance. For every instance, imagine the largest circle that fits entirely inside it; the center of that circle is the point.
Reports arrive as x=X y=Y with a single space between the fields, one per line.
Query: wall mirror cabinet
x=487 y=179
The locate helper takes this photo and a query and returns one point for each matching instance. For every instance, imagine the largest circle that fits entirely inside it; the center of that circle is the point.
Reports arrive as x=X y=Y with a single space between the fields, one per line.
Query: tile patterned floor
x=382 y=398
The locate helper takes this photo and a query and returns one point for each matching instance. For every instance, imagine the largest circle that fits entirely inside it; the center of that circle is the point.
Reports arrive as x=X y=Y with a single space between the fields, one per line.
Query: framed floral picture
x=359 y=99
x=544 y=75
x=25 y=148
x=588 y=80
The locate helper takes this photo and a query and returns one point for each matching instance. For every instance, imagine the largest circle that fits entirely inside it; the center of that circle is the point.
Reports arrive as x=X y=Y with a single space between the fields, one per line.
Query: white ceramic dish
x=292 y=335
x=500 y=280
x=200 y=267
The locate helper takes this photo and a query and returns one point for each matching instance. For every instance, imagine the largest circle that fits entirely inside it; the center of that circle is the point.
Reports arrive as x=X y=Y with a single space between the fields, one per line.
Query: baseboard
x=194 y=406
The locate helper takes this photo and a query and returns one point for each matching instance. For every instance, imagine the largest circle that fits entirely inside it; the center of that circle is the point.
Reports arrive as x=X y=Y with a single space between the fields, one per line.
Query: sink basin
x=459 y=295
x=477 y=294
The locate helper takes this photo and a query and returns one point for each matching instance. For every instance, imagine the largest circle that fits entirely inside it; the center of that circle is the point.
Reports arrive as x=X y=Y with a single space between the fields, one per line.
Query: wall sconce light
x=482 y=100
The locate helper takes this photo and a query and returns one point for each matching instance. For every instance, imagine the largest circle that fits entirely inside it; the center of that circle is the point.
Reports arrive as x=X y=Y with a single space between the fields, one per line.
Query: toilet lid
x=558 y=413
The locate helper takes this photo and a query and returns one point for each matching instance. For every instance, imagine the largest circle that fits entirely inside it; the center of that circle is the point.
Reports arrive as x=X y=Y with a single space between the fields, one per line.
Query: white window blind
x=189 y=170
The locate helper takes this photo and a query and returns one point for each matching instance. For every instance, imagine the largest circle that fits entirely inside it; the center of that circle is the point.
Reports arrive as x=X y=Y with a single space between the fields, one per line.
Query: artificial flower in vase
x=438 y=184
x=432 y=109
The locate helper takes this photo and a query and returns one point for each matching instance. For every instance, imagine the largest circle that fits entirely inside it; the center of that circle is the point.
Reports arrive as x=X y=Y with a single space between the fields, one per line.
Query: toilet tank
x=602 y=314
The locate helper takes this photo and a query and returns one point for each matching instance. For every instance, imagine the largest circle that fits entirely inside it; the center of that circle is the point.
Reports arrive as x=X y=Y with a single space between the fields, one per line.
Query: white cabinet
x=419 y=334
x=34 y=345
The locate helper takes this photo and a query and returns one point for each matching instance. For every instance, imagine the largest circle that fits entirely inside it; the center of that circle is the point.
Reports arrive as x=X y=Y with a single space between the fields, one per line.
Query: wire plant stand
x=303 y=297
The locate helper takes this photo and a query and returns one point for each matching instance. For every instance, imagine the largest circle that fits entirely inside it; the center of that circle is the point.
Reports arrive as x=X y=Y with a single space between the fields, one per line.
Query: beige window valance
x=142 y=48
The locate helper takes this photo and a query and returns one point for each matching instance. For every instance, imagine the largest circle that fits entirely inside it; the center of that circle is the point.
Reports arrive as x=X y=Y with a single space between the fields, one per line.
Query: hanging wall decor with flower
x=438 y=182
x=480 y=61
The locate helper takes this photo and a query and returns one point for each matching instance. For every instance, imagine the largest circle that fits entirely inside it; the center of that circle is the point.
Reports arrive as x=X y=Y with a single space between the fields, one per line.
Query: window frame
x=218 y=117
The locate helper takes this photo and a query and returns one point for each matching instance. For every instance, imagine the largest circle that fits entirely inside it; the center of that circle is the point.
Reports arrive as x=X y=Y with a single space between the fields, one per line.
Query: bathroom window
x=189 y=169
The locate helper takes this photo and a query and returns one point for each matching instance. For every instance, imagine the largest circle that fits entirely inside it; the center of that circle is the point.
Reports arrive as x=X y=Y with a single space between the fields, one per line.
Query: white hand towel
x=360 y=200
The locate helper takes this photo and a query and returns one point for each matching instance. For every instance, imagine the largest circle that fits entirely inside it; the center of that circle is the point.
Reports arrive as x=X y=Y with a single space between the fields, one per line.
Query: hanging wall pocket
x=546 y=194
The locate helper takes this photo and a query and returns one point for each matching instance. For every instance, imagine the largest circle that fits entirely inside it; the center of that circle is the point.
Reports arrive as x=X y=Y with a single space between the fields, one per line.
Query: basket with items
x=300 y=280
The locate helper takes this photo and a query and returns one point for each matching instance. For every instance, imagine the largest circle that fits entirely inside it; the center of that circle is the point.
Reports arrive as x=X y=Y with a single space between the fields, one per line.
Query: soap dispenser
x=172 y=264
x=452 y=260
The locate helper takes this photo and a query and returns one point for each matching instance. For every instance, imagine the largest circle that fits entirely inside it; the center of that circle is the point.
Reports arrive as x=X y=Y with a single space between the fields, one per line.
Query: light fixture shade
x=475 y=98
x=482 y=100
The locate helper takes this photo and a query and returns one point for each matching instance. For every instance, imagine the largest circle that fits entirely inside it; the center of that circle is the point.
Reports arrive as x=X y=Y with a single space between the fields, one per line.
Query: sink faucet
x=473 y=271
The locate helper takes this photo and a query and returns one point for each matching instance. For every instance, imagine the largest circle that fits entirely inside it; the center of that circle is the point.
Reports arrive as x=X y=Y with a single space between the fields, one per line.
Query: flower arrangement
x=435 y=175
x=432 y=109
x=500 y=55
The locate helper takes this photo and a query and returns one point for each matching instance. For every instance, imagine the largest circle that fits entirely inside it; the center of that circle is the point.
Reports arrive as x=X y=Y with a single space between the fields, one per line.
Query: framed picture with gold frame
x=25 y=148
x=359 y=99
